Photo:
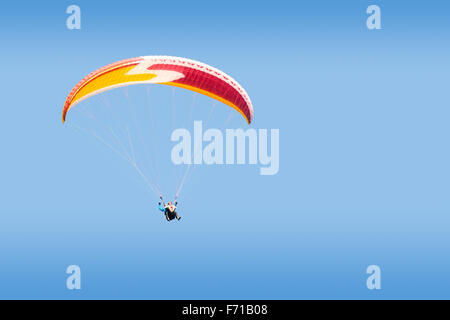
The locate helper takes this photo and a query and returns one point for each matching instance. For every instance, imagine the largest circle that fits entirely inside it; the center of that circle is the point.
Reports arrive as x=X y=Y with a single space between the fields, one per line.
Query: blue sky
x=364 y=178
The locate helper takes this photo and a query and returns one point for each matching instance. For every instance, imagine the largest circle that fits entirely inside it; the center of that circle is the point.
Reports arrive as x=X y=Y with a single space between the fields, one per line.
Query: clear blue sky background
x=364 y=160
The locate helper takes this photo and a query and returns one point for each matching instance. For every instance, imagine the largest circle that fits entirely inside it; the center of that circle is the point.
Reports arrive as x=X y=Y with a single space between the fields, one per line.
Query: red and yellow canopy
x=174 y=71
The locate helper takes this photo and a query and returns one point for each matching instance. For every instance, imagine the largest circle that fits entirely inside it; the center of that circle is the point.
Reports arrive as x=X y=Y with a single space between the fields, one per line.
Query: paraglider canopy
x=174 y=71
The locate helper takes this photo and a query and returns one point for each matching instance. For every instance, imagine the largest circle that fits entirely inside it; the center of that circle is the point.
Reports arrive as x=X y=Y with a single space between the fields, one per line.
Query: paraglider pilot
x=169 y=209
